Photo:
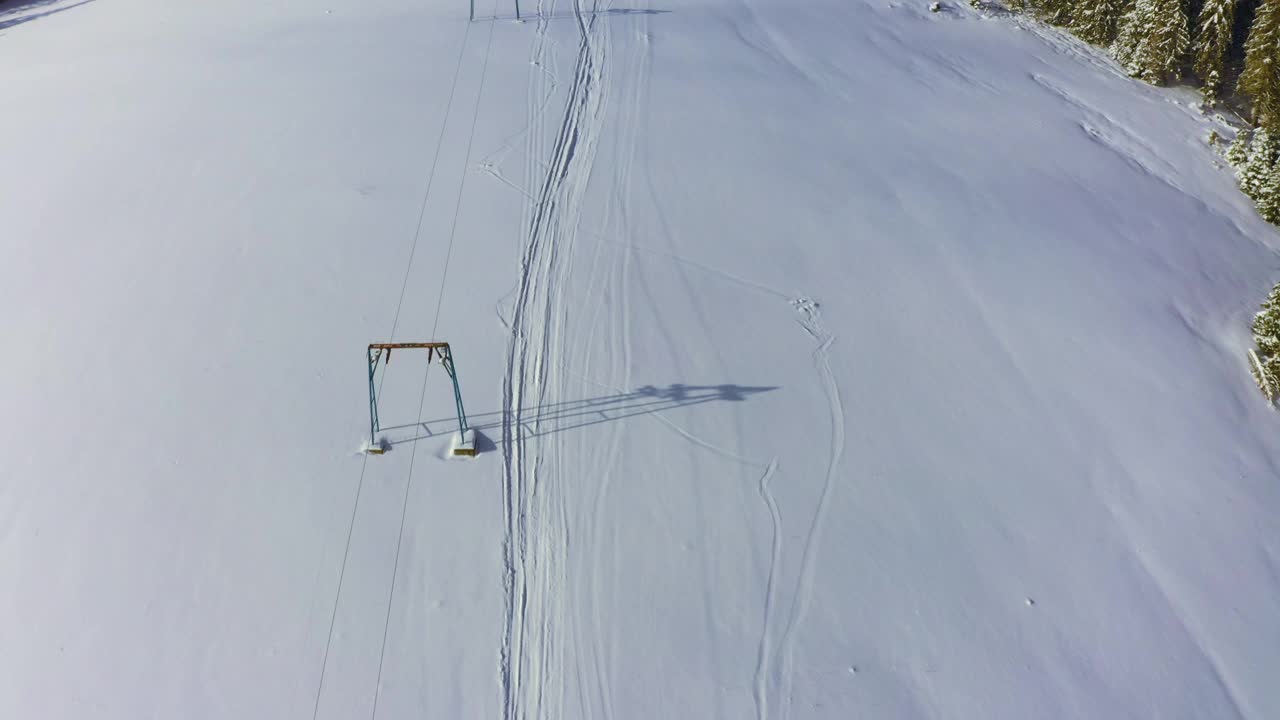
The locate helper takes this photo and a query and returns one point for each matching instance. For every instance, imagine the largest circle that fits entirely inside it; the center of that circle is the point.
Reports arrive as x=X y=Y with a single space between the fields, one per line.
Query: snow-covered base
x=463 y=445
x=377 y=447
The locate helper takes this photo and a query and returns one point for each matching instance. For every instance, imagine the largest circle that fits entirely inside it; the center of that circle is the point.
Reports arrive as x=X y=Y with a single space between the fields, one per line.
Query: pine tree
x=1262 y=157
x=1238 y=150
x=1260 y=80
x=1133 y=27
x=1095 y=20
x=1171 y=40
x=1266 y=326
x=1056 y=12
x=1212 y=40
x=1266 y=334
x=1261 y=375
x=1153 y=39
x=1269 y=196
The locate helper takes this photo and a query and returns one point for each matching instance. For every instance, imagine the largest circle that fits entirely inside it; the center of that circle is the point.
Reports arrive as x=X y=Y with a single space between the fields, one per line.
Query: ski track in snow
x=809 y=317
x=764 y=653
x=536 y=539
x=608 y=291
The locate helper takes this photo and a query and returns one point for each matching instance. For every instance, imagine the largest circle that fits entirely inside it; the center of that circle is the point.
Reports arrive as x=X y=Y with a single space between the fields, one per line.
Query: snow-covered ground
x=836 y=359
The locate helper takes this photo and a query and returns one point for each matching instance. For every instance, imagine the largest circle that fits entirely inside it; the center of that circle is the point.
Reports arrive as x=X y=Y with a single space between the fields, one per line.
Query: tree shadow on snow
x=17 y=12
x=552 y=418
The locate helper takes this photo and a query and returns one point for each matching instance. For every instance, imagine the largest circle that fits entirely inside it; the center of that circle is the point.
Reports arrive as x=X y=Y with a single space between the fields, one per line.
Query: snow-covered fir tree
x=1262 y=376
x=1262 y=158
x=1260 y=80
x=1266 y=335
x=1055 y=12
x=1153 y=39
x=1213 y=37
x=1269 y=196
x=1238 y=150
x=1139 y=18
x=1095 y=21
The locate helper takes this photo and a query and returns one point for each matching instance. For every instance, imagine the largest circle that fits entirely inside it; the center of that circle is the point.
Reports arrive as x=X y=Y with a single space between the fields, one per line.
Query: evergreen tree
x=1266 y=334
x=1212 y=41
x=1238 y=150
x=1056 y=12
x=1132 y=26
x=1266 y=326
x=1153 y=39
x=1260 y=80
x=1262 y=375
x=1095 y=20
x=1269 y=196
x=1256 y=171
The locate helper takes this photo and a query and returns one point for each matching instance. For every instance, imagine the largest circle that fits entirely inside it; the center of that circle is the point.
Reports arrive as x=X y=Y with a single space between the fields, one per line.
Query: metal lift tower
x=465 y=442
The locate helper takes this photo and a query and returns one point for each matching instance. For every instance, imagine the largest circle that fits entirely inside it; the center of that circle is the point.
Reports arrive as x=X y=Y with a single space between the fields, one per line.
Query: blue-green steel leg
x=373 y=397
x=446 y=359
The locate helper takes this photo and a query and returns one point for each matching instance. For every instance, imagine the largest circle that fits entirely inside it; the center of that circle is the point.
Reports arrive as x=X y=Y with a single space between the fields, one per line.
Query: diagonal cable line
x=395 y=571
x=346 y=553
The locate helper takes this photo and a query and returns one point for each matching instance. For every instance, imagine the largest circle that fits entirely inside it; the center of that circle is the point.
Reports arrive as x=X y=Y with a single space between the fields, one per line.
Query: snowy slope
x=837 y=359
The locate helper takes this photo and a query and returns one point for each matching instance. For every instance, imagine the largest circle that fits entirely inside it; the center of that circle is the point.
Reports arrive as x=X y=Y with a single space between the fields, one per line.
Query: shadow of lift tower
x=465 y=442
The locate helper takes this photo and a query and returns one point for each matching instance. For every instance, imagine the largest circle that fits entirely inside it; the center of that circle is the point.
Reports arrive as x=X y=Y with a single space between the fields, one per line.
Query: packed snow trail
x=532 y=658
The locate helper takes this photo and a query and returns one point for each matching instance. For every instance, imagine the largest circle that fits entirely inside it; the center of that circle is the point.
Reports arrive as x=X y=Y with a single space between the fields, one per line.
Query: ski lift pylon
x=380 y=353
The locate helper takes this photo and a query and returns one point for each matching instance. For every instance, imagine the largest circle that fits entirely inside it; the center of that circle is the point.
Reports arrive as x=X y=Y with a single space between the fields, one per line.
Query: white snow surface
x=831 y=359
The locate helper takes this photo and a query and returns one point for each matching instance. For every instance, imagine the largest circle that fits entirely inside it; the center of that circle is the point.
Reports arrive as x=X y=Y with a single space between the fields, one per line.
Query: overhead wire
x=346 y=553
x=395 y=571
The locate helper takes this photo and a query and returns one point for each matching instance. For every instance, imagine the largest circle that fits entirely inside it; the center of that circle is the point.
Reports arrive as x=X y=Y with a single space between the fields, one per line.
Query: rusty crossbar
x=398 y=346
